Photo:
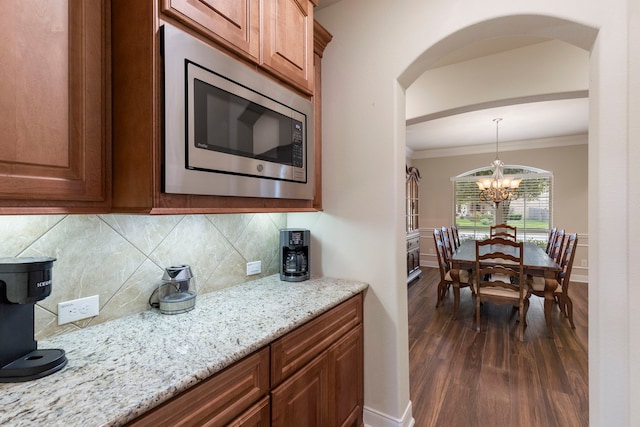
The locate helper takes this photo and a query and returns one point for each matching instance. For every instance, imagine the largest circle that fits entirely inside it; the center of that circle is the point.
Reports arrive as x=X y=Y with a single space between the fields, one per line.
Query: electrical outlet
x=254 y=267
x=583 y=263
x=78 y=309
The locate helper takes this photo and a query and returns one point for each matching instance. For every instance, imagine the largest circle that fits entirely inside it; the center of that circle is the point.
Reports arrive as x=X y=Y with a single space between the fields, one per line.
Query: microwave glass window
x=227 y=123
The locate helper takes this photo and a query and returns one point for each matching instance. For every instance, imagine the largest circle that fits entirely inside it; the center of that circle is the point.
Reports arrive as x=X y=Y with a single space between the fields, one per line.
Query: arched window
x=529 y=208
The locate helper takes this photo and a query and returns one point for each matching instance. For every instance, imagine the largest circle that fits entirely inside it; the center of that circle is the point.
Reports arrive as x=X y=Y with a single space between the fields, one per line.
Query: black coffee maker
x=294 y=254
x=23 y=282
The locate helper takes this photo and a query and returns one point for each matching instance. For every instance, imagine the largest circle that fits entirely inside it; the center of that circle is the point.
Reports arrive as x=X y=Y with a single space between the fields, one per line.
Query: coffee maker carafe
x=294 y=254
x=23 y=282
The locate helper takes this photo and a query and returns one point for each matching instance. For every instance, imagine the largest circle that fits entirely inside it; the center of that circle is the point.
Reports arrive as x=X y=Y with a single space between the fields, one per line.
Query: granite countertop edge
x=120 y=369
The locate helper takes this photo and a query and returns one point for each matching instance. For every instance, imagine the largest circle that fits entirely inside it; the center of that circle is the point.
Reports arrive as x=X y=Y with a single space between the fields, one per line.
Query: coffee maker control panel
x=295 y=238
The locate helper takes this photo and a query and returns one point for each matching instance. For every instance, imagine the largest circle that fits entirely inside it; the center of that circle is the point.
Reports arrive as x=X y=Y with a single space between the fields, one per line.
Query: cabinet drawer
x=217 y=400
x=297 y=348
x=413 y=243
x=259 y=415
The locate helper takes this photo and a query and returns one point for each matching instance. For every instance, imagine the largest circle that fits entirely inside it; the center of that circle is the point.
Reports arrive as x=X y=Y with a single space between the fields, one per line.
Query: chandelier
x=497 y=188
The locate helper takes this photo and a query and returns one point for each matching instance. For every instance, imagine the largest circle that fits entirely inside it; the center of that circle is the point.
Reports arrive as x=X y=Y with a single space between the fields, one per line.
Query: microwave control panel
x=297 y=154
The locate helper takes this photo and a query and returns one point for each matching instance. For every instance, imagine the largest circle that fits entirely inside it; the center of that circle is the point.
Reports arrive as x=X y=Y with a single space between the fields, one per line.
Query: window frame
x=538 y=235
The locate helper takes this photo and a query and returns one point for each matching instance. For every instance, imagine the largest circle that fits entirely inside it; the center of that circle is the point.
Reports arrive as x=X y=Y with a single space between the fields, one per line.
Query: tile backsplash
x=121 y=258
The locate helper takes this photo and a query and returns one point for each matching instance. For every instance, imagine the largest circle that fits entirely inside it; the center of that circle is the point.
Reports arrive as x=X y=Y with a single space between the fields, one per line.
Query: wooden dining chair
x=499 y=274
x=447 y=276
x=447 y=242
x=503 y=231
x=557 y=289
x=455 y=237
x=556 y=249
x=551 y=240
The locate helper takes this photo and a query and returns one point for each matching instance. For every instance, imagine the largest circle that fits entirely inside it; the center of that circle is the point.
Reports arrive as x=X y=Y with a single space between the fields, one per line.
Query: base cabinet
x=312 y=376
x=347 y=370
x=321 y=368
x=228 y=396
x=303 y=399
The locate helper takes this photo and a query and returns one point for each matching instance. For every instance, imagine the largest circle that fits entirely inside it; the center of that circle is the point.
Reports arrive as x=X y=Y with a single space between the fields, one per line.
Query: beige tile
x=259 y=240
x=196 y=242
x=133 y=296
x=17 y=232
x=231 y=271
x=273 y=266
x=92 y=259
x=279 y=219
x=231 y=225
x=107 y=256
x=145 y=232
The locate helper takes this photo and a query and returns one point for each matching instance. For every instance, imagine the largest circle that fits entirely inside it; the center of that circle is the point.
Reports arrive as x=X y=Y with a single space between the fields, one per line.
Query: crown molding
x=531 y=144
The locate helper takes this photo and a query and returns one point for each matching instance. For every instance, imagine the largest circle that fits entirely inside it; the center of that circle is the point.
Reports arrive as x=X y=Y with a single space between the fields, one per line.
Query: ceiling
x=533 y=122
x=520 y=122
x=325 y=3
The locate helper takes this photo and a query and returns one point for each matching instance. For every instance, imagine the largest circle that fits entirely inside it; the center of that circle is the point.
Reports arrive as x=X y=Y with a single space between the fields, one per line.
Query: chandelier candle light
x=497 y=188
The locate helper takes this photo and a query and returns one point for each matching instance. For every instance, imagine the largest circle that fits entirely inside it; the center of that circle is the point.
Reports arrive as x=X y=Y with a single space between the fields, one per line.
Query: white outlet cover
x=78 y=309
x=254 y=267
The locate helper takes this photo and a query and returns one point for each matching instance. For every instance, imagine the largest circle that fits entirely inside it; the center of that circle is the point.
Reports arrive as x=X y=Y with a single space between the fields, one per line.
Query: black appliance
x=294 y=254
x=23 y=282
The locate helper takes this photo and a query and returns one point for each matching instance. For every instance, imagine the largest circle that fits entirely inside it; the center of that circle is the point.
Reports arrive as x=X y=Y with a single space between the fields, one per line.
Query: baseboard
x=373 y=418
x=580 y=278
x=432 y=264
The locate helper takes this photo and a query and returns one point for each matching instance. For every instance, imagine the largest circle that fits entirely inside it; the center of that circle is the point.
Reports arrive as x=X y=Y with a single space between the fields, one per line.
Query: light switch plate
x=78 y=309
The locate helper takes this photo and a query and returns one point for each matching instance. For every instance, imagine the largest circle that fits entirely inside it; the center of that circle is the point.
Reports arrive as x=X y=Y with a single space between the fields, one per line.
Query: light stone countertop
x=121 y=369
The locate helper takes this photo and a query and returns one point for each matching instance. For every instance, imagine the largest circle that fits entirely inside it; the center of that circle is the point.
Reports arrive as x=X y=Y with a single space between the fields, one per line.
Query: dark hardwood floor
x=463 y=378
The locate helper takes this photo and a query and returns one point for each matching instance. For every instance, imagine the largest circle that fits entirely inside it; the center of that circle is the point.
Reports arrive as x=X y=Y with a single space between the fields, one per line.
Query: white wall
x=540 y=69
x=378 y=49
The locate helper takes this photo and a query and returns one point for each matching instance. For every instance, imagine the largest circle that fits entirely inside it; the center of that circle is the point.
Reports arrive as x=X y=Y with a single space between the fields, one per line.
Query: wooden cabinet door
x=234 y=24
x=287 y=40
x=54 y=107
x=302 y=400
x=347 y=372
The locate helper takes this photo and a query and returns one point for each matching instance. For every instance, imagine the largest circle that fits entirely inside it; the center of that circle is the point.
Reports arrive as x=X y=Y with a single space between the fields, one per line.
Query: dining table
x=536 y=262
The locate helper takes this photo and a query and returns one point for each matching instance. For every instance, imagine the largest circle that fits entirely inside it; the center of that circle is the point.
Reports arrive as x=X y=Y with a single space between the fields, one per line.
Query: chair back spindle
x=503 y=231
x=455 y=237
x=551 y=240
x=556 y=250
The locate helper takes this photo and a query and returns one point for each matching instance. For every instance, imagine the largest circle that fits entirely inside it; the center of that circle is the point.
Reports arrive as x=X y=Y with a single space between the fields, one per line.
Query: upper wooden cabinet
x=287 y=45
x=137 y=97
x=275 y=34
x=55 y=106
x=233 y=24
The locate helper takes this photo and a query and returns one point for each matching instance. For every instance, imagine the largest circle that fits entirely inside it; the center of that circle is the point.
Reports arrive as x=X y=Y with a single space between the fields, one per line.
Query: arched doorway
x=502 y=27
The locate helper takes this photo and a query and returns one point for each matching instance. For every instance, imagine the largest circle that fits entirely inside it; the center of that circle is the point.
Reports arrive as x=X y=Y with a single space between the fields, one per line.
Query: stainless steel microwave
x=229 y=130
